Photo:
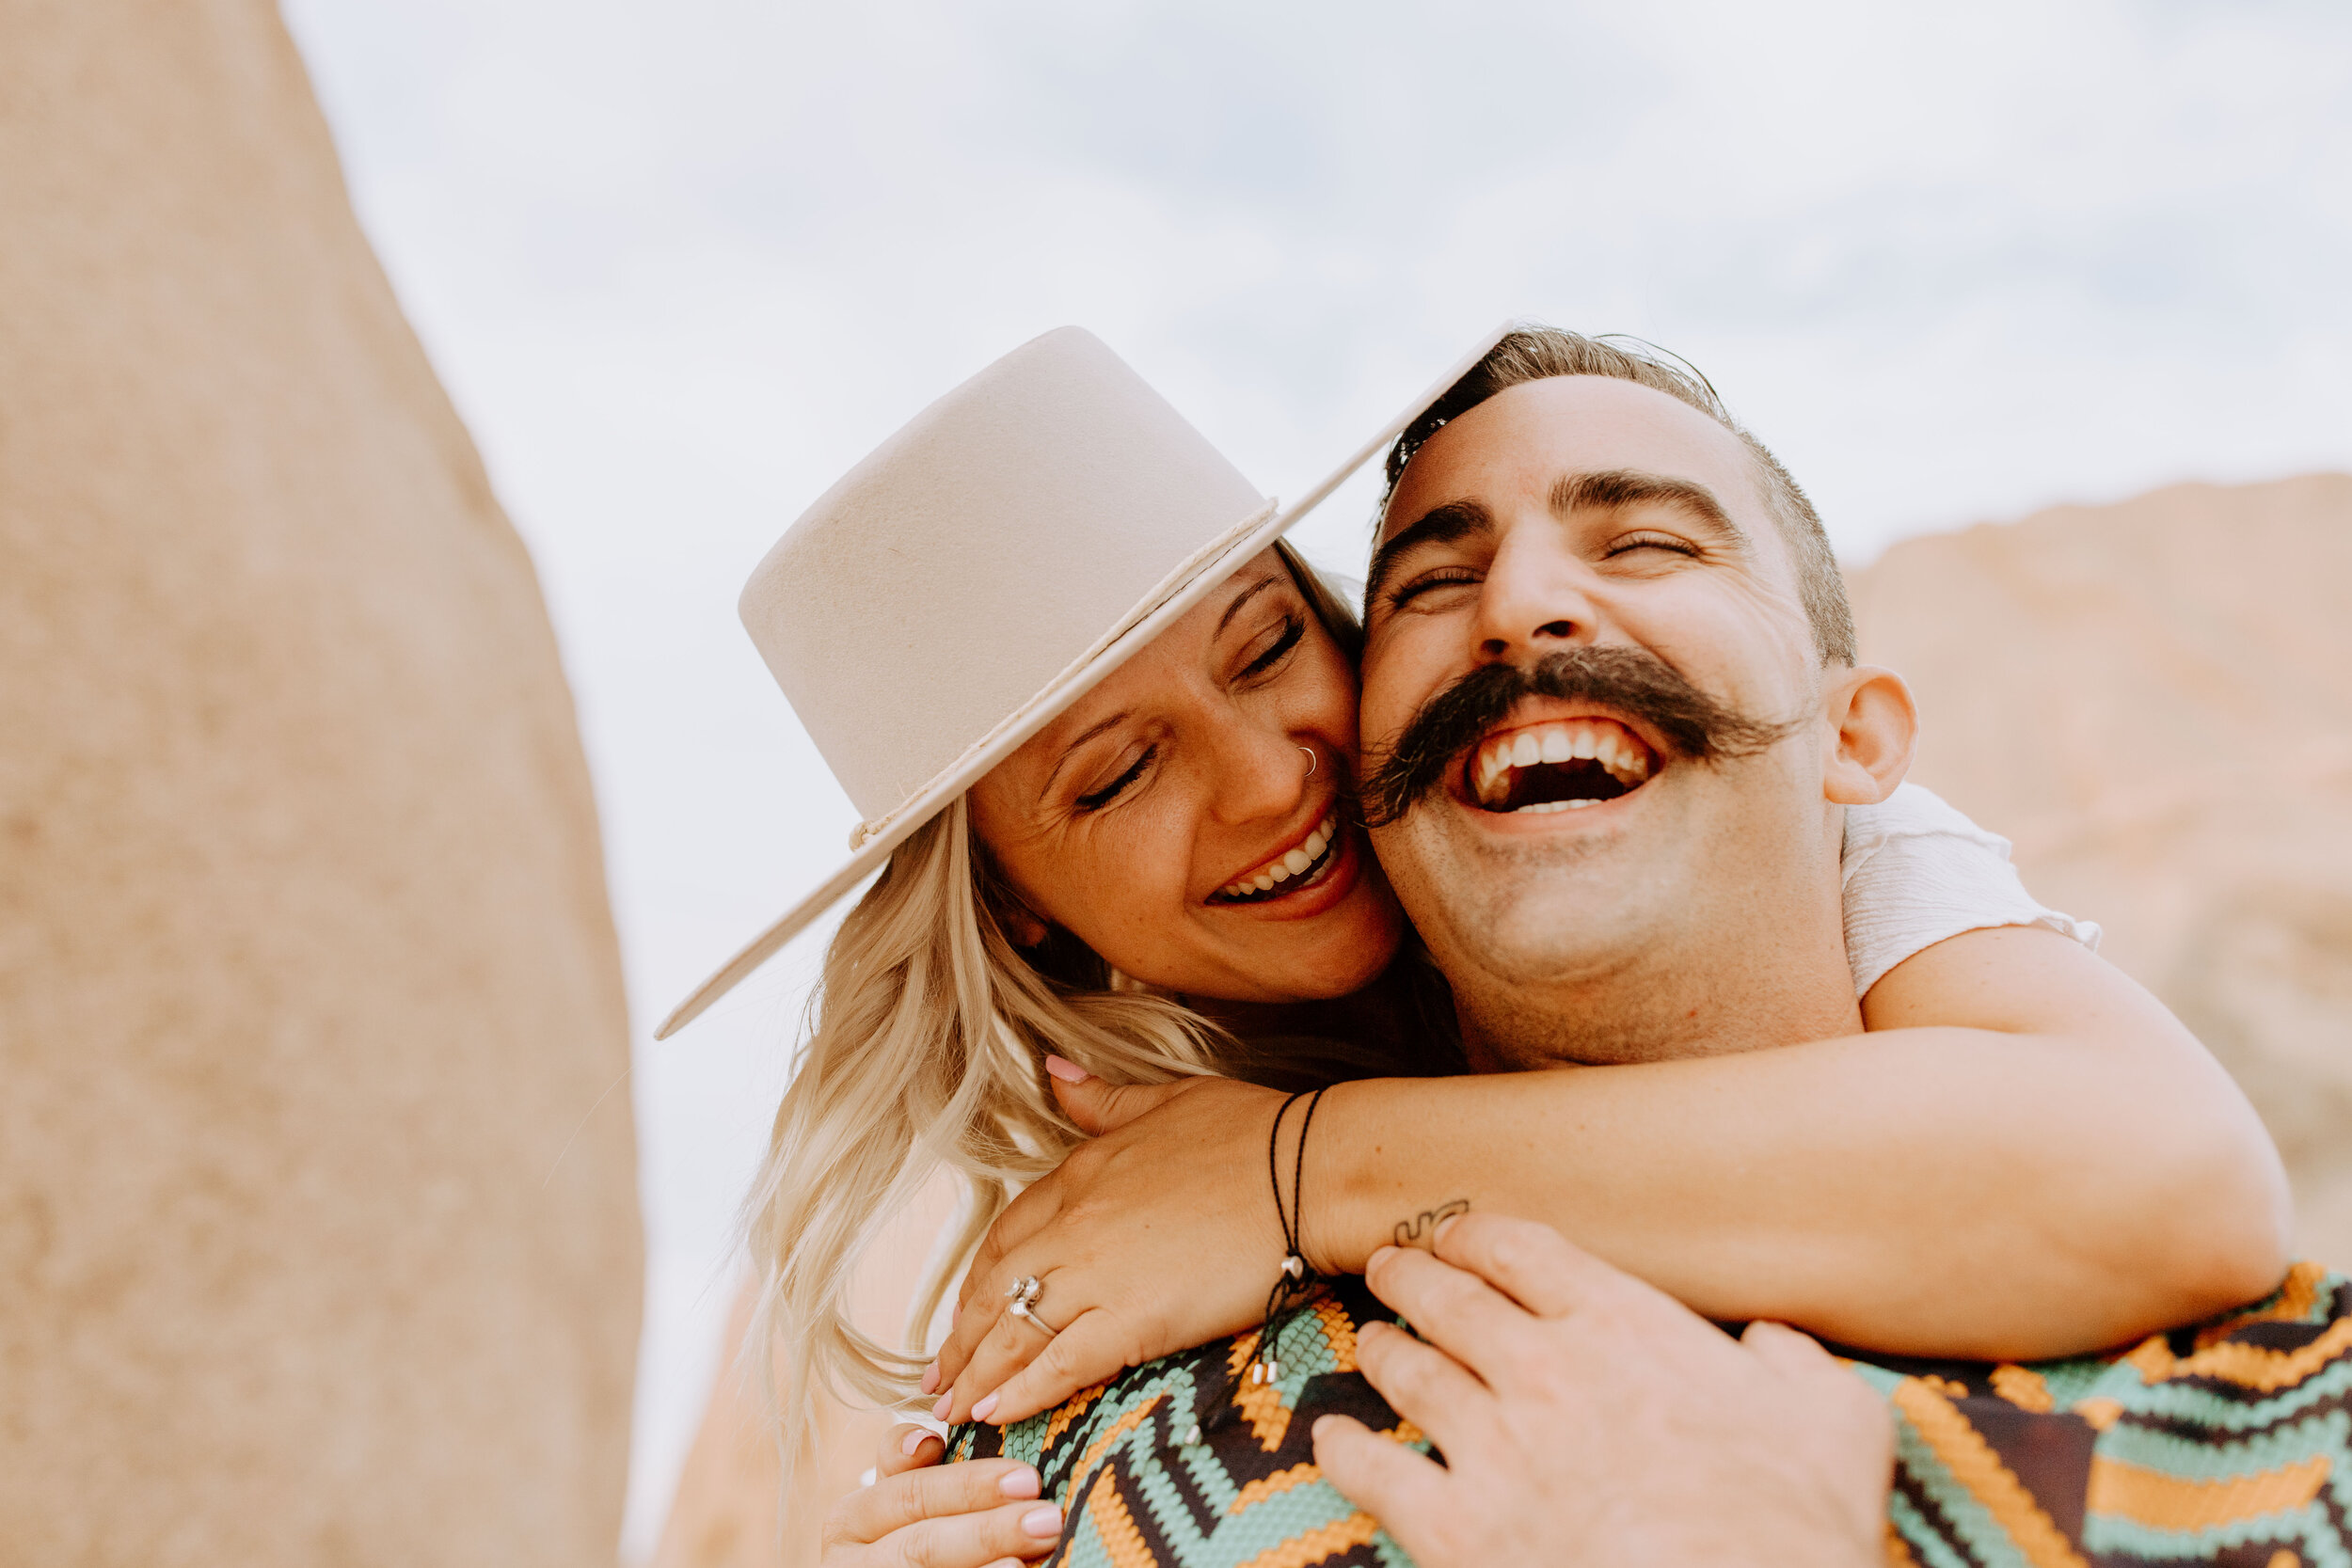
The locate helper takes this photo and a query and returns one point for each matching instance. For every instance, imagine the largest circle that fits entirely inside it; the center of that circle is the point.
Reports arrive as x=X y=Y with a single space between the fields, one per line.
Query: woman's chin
x=1337 y=953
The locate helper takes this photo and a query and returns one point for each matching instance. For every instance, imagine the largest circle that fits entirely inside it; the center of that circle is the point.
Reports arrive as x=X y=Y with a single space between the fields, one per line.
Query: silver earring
x=1313 y=761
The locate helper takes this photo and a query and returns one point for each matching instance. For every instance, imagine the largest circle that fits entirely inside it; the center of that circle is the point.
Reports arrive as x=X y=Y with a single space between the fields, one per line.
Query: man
x=1585 y=546
x=1577 y=540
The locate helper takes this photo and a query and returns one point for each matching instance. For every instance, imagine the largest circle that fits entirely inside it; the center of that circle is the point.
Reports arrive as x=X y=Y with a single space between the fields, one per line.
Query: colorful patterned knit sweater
x=2228 y=1444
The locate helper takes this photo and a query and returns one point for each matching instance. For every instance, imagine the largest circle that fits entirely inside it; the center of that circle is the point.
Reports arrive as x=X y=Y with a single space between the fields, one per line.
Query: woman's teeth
x=1499 y=772
x=1284 y=867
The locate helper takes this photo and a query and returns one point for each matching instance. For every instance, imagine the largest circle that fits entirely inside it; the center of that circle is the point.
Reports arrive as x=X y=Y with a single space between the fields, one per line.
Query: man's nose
x=1537 y=598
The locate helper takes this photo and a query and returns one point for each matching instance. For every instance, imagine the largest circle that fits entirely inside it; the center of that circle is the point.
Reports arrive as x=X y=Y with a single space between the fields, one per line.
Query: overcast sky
x=682 y=265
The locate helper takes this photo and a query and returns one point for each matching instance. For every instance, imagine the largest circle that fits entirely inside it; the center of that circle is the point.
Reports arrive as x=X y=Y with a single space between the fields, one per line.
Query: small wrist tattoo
x=1421 y=1230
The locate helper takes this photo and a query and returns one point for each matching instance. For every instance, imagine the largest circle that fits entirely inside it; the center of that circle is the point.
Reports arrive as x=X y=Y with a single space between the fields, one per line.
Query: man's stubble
x=1712 y=924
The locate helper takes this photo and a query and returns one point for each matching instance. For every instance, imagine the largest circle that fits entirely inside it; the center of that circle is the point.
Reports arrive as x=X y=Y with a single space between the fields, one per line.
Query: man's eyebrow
x=1071 y=750
x=1614 y=488
x=1440 y=525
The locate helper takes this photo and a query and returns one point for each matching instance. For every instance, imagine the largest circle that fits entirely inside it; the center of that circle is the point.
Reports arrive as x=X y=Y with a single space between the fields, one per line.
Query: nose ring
x=1313 y=761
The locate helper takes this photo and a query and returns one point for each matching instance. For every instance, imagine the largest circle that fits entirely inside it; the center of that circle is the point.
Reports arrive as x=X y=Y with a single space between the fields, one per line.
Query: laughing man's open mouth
x=1556 y=766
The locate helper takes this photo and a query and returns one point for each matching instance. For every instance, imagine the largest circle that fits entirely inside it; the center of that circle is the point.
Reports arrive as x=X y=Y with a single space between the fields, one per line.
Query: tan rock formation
x=315 y=1245
x=2153 y=700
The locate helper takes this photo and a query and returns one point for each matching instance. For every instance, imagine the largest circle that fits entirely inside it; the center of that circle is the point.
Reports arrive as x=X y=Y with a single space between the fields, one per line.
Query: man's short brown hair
x=1539 y=352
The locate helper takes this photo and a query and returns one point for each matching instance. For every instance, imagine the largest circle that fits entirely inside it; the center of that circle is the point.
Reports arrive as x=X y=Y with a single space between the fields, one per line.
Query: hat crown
x=973 y=556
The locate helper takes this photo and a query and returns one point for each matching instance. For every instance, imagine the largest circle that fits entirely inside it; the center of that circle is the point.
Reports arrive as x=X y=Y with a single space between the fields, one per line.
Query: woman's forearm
x=1946 y=1191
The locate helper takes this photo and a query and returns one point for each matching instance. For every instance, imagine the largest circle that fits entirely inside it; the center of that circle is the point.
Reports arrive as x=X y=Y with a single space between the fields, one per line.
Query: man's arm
x=1586 y=1417
x=2050 y=1166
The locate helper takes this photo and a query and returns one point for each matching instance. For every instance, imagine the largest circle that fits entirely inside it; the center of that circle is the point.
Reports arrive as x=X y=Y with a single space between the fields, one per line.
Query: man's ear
x=1874 y=727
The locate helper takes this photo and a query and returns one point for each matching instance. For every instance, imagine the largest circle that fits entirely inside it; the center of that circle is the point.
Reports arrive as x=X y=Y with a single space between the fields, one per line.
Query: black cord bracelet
x=1295 y=1278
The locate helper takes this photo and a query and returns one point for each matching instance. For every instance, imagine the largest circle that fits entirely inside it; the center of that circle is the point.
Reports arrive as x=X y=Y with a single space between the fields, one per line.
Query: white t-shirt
x=1916 y=871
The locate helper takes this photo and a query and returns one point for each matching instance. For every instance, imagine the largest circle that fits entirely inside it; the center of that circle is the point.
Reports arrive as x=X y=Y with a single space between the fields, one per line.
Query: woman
x=1000 y=936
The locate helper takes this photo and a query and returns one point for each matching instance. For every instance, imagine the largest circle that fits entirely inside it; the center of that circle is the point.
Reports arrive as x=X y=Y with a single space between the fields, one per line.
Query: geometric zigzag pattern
x=1248 y=1495
x=2229 y=1443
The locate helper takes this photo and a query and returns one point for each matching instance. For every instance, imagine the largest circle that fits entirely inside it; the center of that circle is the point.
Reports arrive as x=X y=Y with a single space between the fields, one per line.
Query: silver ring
x=1313 y=761
x=1020 y=1309
x=1023 y=1294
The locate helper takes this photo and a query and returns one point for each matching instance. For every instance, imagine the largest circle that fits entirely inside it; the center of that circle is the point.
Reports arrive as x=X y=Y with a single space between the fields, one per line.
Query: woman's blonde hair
x=924 y=1051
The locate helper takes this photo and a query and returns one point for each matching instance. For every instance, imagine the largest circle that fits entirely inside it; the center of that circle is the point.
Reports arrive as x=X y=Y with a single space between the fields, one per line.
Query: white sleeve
x=1916 y=871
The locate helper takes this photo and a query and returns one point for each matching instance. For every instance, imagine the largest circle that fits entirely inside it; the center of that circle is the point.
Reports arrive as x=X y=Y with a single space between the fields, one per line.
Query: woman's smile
x=1305 y=878
x=1294 y=859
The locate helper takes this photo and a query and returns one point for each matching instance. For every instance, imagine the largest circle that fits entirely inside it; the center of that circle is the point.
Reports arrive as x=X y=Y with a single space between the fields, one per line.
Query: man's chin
x=1530 y=898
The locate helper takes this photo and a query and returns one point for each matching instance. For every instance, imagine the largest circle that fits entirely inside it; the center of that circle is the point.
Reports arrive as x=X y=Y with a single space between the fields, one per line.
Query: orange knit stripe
x=1075 y=1406
x=2159 y=1501
x=2022 y=1387
x=1299 y=1551
x=2266 y=1371
x=1122 y=1543
x=2296 y=1297
x=1267 y=1486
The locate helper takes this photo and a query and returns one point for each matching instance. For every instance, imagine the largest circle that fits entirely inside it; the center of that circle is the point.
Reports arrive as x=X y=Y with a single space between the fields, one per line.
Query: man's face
x=1669 y=793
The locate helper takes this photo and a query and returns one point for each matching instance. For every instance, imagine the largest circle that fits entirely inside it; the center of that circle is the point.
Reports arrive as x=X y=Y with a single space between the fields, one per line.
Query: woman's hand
x=1159 y=1235
x=921 y=1513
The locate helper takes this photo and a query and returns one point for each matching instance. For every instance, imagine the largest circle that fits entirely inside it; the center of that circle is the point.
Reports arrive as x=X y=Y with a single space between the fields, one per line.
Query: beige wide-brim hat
x=981 y=570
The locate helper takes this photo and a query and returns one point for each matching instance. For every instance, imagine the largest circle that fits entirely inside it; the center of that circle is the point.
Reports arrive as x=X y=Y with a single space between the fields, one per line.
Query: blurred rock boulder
x=318 y=1227
x=2153 y=700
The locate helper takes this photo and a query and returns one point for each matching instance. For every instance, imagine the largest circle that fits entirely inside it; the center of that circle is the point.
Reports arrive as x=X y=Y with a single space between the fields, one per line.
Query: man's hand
x=1587 y=1419
x=921 y=1513
x=1157 y=1236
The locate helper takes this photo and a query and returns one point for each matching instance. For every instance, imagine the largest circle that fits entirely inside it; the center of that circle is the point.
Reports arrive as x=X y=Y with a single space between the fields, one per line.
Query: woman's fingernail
x=1443 y=1226
x=955 y=1314
x=1043 y=1521
x=1323 y=1424
x=931 y=1379
x=986 y=1408
x=1374 y=1261
x=1019 y=1483
x=947 y=1402
x=912 y=1441
x=1069 y=1072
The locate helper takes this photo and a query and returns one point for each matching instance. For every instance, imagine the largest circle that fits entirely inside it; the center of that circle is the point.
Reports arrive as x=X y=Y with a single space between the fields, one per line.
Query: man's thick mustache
x=1630 y=681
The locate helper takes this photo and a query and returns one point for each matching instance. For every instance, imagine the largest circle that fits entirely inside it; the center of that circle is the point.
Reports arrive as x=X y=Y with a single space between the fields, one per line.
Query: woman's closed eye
x=1095 y=799
x=1284 y=637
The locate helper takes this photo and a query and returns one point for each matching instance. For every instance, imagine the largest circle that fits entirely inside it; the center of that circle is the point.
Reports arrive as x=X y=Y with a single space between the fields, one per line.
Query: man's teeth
x=1574 y=740
x=1282 y=867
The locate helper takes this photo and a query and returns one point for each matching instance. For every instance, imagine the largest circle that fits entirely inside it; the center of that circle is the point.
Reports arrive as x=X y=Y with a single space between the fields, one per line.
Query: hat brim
x=1049 y=706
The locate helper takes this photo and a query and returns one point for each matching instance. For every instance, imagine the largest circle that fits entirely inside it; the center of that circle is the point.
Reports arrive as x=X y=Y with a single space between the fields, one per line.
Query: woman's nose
x=1262 y=773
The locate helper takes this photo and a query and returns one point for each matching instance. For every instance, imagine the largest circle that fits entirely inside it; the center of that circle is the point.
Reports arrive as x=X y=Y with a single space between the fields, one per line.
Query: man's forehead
x=1525 y=438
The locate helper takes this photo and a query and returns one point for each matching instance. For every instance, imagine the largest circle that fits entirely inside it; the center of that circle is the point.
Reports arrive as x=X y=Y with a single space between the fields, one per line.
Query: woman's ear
x=1874 y=727
x=1022 y=925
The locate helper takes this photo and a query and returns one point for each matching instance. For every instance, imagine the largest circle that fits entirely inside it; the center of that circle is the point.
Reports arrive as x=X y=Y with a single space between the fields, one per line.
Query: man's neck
x=1778 y=988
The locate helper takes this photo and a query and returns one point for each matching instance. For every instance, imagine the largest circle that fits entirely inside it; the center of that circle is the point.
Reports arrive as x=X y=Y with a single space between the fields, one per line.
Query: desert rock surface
x=316 y=1242
x=2154 y=701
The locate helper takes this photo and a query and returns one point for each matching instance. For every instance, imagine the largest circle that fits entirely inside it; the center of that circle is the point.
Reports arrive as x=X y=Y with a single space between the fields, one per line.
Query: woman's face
x=1170 y=819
